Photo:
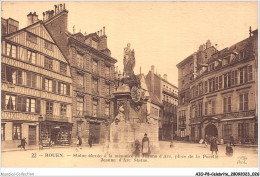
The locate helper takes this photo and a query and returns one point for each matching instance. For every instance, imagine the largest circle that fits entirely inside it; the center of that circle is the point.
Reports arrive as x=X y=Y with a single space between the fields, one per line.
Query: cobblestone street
x=181 y=155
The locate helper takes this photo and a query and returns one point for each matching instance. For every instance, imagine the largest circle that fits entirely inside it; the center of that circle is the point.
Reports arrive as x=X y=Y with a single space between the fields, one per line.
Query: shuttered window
x=95 y=66
x=107 y=109
x=220 y=82
x=10 y=102
x=31 y=79
x=31 y=57
x=3 y=72
x=63 y=68
x=17 y=131
x=11 y=74
x=243 y=101
x=11 y=50
x=79 y=61
x=48 y=84
x=48 y=63
x=63 y=109
x=30 y=105
x=94 y=108
x=62 y=88
x=2 y=132
x=227 y=131
x=49 y=108
x=107 y=71
x=95 y=85
x=79 y=106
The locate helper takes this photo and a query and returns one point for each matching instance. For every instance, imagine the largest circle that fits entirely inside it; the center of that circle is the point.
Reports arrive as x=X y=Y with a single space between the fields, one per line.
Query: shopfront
x=56 y=133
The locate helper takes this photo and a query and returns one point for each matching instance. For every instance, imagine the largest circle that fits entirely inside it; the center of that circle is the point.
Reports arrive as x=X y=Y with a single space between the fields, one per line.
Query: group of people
x=213 y=141
x=90 y=141
x=145 y=148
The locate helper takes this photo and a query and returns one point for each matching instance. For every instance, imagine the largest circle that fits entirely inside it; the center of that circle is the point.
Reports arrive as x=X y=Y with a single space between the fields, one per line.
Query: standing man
x=79 y=141
x=90 y=140
x=145 y=146
x=214 y=145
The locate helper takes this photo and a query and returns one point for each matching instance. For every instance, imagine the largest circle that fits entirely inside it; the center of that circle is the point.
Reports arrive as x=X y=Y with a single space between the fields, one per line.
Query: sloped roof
x=155 y=100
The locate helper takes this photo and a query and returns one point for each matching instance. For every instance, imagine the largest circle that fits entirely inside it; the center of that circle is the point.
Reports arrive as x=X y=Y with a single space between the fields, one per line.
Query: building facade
x=36 y=87
x=223 y=94
x=167 y=94
x=187 y=71
x=92 y=69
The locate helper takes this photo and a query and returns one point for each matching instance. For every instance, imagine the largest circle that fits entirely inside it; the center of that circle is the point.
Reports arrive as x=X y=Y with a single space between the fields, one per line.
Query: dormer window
x=212 y=66
x=94 y=44
x=32 y=38
x=48 y=45
x=226 y=60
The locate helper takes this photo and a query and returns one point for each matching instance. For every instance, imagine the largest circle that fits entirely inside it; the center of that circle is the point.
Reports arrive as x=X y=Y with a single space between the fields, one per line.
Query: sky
x=161 y=33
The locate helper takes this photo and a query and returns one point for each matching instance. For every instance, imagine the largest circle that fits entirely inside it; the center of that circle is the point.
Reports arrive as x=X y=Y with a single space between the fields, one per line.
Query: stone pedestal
x=124 y=133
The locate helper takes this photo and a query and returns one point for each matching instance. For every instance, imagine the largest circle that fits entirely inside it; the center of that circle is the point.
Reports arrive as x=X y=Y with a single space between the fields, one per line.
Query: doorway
x=32 y=135
x=94 y=130
x=211 y=130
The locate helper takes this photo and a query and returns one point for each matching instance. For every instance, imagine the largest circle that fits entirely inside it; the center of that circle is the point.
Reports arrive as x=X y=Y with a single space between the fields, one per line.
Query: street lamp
x=40 y=118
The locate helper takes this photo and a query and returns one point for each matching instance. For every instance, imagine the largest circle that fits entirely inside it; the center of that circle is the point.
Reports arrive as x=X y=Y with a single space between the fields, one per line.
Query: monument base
x=124 y=135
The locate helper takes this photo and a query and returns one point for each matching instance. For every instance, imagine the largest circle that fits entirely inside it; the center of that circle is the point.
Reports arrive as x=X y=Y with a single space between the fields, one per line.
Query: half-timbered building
x=36 y=88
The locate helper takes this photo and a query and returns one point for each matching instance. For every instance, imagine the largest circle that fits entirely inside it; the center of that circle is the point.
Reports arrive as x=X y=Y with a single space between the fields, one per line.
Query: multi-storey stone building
x=187 y=71
x=92 y=69
x=223 y=94
x=36 y=86
x=164 y=93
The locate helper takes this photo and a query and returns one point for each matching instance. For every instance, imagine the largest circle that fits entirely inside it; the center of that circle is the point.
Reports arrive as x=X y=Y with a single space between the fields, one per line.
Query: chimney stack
x=152 y=68
x=103 y=40
x=104 y=31
x=208 y=44
x=152 y=79
x=165 y=77
x=55 y=6
x=32 y=18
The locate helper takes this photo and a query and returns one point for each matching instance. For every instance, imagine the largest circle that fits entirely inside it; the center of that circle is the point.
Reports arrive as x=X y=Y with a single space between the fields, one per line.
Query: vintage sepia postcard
x=129 y=84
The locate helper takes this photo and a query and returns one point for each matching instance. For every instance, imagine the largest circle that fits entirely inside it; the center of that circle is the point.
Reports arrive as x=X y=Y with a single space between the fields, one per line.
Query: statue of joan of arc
x=129 y=61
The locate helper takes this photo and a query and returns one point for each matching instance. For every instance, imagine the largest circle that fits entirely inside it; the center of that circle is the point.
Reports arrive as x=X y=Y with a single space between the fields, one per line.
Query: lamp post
x=40 y=118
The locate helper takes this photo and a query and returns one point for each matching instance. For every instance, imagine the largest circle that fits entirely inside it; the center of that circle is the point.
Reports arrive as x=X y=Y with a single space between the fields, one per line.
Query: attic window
x=94 y=44
x=48 y=45
x=32 y=38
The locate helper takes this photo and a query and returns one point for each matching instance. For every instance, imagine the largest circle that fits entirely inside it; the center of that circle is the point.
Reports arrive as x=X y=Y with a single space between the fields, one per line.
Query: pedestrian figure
x=145 y=145
x=79 y=141
x=137 y=148
x=232 y=142
x=229 y=150
x=206 y=140
x=90 y=140
x=214 y=145
x=23 y=142
x=171 y=144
